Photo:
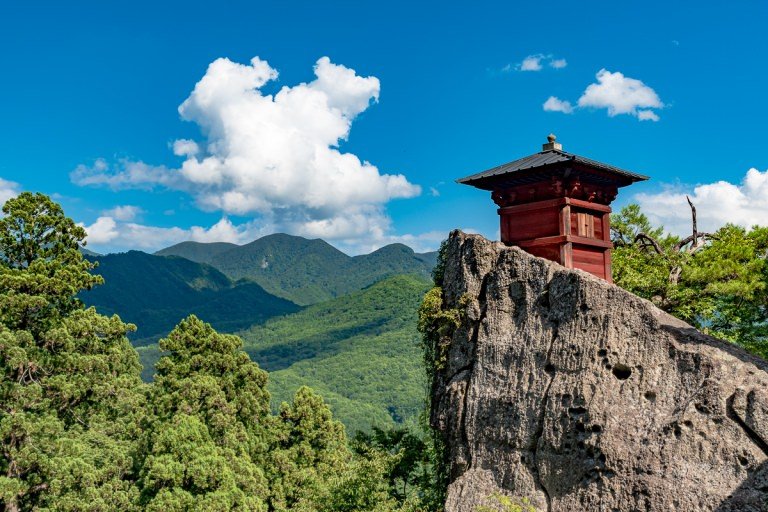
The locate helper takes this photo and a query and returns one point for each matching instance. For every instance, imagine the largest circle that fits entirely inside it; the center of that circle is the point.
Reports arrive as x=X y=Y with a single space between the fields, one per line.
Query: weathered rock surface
x=581 y=396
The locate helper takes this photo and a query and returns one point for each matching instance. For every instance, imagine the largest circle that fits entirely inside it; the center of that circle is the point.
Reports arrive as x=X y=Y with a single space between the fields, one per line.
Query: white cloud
x=647 y=115
x=536 y=63
x=123 y=213
x=531 y=63
x=621 y=95
x=113 y=234
x=434 y=192
x=423 y=242
x=274 y=157
x=558 y=63
x=103 y=231
x=745 y=204
x=185 y=147
x=555 y=104
x=125 y=174
x=107 y=234
x=8 y=189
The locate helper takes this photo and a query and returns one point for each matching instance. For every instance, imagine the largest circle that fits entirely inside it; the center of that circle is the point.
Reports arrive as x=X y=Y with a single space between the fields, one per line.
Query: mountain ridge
x=305 y=271
x=155 y=292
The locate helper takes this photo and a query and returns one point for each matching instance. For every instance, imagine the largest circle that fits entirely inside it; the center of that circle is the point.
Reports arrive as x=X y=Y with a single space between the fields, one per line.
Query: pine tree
x=71 y=398
x=210 y=437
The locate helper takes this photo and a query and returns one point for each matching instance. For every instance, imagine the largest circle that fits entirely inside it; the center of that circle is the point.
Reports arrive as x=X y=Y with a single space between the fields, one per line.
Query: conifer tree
x=211 y=433
x=71 y=400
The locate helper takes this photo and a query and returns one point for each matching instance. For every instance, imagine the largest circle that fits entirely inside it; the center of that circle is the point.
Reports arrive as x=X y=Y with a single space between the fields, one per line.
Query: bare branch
x=695 y=244
x=693 y=217
x=648 y=241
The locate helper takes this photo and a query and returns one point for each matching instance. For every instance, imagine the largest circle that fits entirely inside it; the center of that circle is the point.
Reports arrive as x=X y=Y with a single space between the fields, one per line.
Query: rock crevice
x=578 y=395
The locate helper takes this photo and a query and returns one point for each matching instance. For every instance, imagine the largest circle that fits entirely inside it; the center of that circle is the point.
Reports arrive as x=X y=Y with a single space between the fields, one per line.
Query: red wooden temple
x=556 y=205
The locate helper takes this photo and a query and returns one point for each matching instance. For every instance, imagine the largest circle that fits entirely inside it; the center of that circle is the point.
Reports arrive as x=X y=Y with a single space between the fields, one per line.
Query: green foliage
x=507 y=504
x=359 y=351
x=305 y=271
x=438 y=271
x=71 y=401
x=79 y=431
x=437 y=325
x=209 y=441
x=154 y=292
x=412 y=479
x=41 y=268
x=720 y=286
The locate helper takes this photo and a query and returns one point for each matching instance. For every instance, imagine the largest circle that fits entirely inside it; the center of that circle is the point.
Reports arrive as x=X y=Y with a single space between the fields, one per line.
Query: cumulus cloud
x=647 y=115
x=617 y=94
x=108 y=234
x=123 y=213
x=745 y=204
x=185 y=147
x=8 y=189
x=275 y=157
x=558 y=63
x=423 y=242
x=111 y=233
x=531 y=63
x=125 y=174
x=103 y=231
x=536 y=63
x=621 y=95
x=555 y=104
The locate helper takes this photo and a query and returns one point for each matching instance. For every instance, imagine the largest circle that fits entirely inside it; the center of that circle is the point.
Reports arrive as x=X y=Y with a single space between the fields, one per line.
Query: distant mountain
x=304 y=271
x=360 y=352
x=197 y=251
x=156 y=292
x=88 y=252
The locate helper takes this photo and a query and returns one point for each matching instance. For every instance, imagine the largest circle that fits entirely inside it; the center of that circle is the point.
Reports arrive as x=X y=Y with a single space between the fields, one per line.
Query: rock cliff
x=570 y=391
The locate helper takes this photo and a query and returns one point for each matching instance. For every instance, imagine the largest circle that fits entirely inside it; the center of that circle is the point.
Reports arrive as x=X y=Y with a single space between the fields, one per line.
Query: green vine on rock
x=437 y=326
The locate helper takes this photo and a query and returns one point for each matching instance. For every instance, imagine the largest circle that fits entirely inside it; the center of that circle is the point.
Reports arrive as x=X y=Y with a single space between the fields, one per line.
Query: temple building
x=556 y=205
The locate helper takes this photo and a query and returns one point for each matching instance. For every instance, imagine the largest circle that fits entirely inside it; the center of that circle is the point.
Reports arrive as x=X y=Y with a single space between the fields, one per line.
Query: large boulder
x=579 y=395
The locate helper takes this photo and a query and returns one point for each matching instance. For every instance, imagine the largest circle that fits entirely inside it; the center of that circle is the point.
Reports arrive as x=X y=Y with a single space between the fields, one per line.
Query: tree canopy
x=717 y=281
x=80 y=431
x=71 y=398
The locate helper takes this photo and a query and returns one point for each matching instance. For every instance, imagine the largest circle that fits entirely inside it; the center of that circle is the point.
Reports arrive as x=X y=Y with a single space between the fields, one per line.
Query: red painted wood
x=571 y=231
x=550 y=252
x=588 y=205
x=587 y=256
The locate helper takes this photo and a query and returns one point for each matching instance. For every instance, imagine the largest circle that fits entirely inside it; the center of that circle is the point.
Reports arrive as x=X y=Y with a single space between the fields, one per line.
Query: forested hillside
x=80 y=431
x=360 y=352
x=304 y=271
x=155 y=292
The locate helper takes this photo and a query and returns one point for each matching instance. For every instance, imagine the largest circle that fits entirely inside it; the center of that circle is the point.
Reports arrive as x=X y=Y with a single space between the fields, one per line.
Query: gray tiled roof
x=551 y=157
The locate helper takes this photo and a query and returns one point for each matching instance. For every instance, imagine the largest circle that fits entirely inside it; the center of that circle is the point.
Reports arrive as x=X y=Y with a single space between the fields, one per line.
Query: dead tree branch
x=648 y=241
x=696 y=239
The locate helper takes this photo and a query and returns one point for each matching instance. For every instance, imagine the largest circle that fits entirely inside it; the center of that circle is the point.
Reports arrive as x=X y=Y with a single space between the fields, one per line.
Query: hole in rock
x=602 y=352
x=622 y=372
x=650 y=395
x=597 y=428
x=549 y=368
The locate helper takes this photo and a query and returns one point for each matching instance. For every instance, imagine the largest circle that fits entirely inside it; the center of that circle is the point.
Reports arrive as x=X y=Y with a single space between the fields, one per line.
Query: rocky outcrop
x=574 y=393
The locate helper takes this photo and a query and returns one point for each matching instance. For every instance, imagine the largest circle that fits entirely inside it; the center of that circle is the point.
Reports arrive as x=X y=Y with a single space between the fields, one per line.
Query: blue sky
x=90 y=95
